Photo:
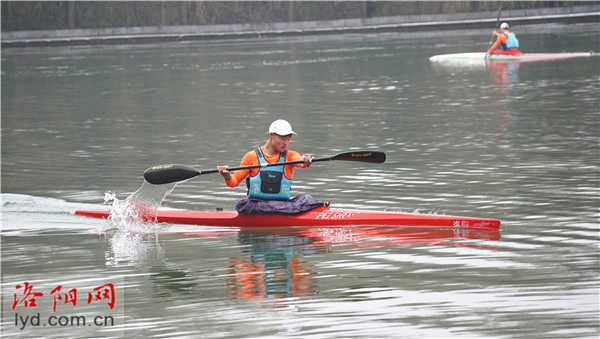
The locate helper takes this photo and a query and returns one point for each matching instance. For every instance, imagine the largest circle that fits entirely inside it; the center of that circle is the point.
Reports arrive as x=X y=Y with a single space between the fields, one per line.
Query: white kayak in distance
x=477 y=57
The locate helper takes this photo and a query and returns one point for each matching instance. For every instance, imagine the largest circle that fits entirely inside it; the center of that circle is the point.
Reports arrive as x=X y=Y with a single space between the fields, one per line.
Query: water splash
x=130 y=222
x=135 y=211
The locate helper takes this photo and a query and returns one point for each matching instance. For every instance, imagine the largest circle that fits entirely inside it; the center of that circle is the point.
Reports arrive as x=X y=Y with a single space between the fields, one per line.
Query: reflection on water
x=276 y=273
x=272 y=265
x=129 y=248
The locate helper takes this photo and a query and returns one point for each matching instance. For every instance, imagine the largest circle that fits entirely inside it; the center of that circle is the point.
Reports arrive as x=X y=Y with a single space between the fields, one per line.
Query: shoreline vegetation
x=65 y=23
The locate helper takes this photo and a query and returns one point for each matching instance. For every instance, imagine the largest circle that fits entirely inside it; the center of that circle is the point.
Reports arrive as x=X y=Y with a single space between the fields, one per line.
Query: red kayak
x=321 y=216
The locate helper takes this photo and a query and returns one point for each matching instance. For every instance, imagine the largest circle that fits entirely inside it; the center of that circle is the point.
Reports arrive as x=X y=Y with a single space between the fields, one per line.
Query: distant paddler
x=507 y=40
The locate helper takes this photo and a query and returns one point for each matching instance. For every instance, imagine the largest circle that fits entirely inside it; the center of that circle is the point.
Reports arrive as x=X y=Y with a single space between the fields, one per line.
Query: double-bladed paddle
x=495 y=26
x=166 y=174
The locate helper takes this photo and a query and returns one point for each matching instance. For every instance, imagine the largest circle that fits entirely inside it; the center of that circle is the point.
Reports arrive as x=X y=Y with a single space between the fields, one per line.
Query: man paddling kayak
x=506 y=39
x=268 y=183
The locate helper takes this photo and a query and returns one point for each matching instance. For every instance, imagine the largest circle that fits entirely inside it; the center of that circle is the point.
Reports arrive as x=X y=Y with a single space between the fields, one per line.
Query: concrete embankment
x=412 y=23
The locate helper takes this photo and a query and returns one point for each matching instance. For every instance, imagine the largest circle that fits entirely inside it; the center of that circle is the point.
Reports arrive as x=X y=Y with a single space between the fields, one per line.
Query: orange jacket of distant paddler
x=508 y=40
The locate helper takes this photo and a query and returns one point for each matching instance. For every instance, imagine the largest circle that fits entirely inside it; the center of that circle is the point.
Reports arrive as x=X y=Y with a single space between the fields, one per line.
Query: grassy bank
x=55 y=15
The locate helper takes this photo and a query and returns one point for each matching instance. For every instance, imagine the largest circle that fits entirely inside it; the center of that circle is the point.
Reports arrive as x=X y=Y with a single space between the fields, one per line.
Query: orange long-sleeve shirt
x=500 y=39
x=251 y=158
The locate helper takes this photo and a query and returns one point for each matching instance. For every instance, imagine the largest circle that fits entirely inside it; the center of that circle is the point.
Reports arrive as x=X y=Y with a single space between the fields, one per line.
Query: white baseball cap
x=281 y=127
x=504 y=25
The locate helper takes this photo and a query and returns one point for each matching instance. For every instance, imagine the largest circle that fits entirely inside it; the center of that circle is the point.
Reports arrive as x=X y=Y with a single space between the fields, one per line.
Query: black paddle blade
x=365 y=156
x=166 y=174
